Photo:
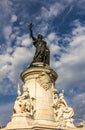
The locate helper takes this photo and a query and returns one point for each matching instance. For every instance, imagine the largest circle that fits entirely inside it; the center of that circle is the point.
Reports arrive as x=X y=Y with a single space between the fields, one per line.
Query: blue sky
x=62 y=22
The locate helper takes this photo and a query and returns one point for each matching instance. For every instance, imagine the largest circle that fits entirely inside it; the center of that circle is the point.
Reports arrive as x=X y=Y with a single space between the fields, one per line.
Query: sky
x=62 y=23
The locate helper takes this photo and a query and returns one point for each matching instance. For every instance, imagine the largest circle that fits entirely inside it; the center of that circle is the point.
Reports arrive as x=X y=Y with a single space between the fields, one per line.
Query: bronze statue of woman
x=42 y=53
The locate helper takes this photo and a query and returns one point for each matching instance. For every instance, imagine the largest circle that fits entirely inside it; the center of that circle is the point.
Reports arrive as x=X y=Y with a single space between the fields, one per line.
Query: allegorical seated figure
x=63 y=113
x=42 y=53
x=55 y=103
x=68 y=110
x=23 y=103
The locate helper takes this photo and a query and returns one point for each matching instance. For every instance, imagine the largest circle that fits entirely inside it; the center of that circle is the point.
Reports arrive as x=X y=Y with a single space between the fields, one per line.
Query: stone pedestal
x=40 y=83
x=19 y=121
x=39 y=80
x=40 y=107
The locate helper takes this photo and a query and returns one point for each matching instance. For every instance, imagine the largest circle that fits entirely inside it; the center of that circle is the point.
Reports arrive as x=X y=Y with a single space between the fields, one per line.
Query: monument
x=40 y=107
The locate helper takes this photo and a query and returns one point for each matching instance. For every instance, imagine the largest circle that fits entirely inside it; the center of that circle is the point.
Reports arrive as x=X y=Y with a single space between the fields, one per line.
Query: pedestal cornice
x=36 y=69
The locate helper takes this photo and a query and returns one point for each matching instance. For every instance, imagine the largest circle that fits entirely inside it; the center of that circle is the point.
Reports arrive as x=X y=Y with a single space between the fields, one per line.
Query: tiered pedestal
x=39 y=80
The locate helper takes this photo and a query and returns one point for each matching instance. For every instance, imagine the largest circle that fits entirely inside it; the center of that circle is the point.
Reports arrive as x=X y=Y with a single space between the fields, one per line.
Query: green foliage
x=2 y=127
x=80 y=126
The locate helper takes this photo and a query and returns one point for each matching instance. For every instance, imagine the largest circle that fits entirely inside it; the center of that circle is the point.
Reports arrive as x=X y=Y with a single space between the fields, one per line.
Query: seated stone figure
x=63 y=113
x=55 y=103
x=68 y=111
x=23 y=104
x=42 y=53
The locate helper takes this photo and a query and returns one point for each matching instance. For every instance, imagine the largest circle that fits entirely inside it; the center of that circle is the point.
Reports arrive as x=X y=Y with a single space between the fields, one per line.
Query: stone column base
x=23 y=123
x=19 y=121
x=25 y=126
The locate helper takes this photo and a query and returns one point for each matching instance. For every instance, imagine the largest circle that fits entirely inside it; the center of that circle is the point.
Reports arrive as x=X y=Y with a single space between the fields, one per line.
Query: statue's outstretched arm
x=31 y=32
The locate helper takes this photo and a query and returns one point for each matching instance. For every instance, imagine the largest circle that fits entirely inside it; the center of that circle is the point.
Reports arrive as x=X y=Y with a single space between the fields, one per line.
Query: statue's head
x=40 y=36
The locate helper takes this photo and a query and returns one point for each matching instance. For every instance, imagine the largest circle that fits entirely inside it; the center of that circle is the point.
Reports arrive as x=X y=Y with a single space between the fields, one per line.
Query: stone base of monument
x=19 y=121
x=26 y=124
x=40 y=107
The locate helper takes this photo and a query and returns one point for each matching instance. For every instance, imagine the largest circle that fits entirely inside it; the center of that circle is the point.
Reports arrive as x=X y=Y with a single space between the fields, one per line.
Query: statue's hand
x=30 y=26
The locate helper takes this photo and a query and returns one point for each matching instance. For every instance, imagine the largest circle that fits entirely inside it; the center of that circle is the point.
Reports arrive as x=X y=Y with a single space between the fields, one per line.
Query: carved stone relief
x=44 y=80
x=62 y=112
x=24 y=103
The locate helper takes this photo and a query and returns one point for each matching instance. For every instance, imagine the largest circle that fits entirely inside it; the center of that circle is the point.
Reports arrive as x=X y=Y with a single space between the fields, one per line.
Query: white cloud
x=51 y=36
x=4 y=67
x=54 y=48
x=14 y=59
x=26 y=40
x=79 y=29
x=52 y=11
x=13 y=18
x=9 y=50
x=52 y=42
x=70 y=68
x=20 y=57
x=7 y=31
x=43 y=28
